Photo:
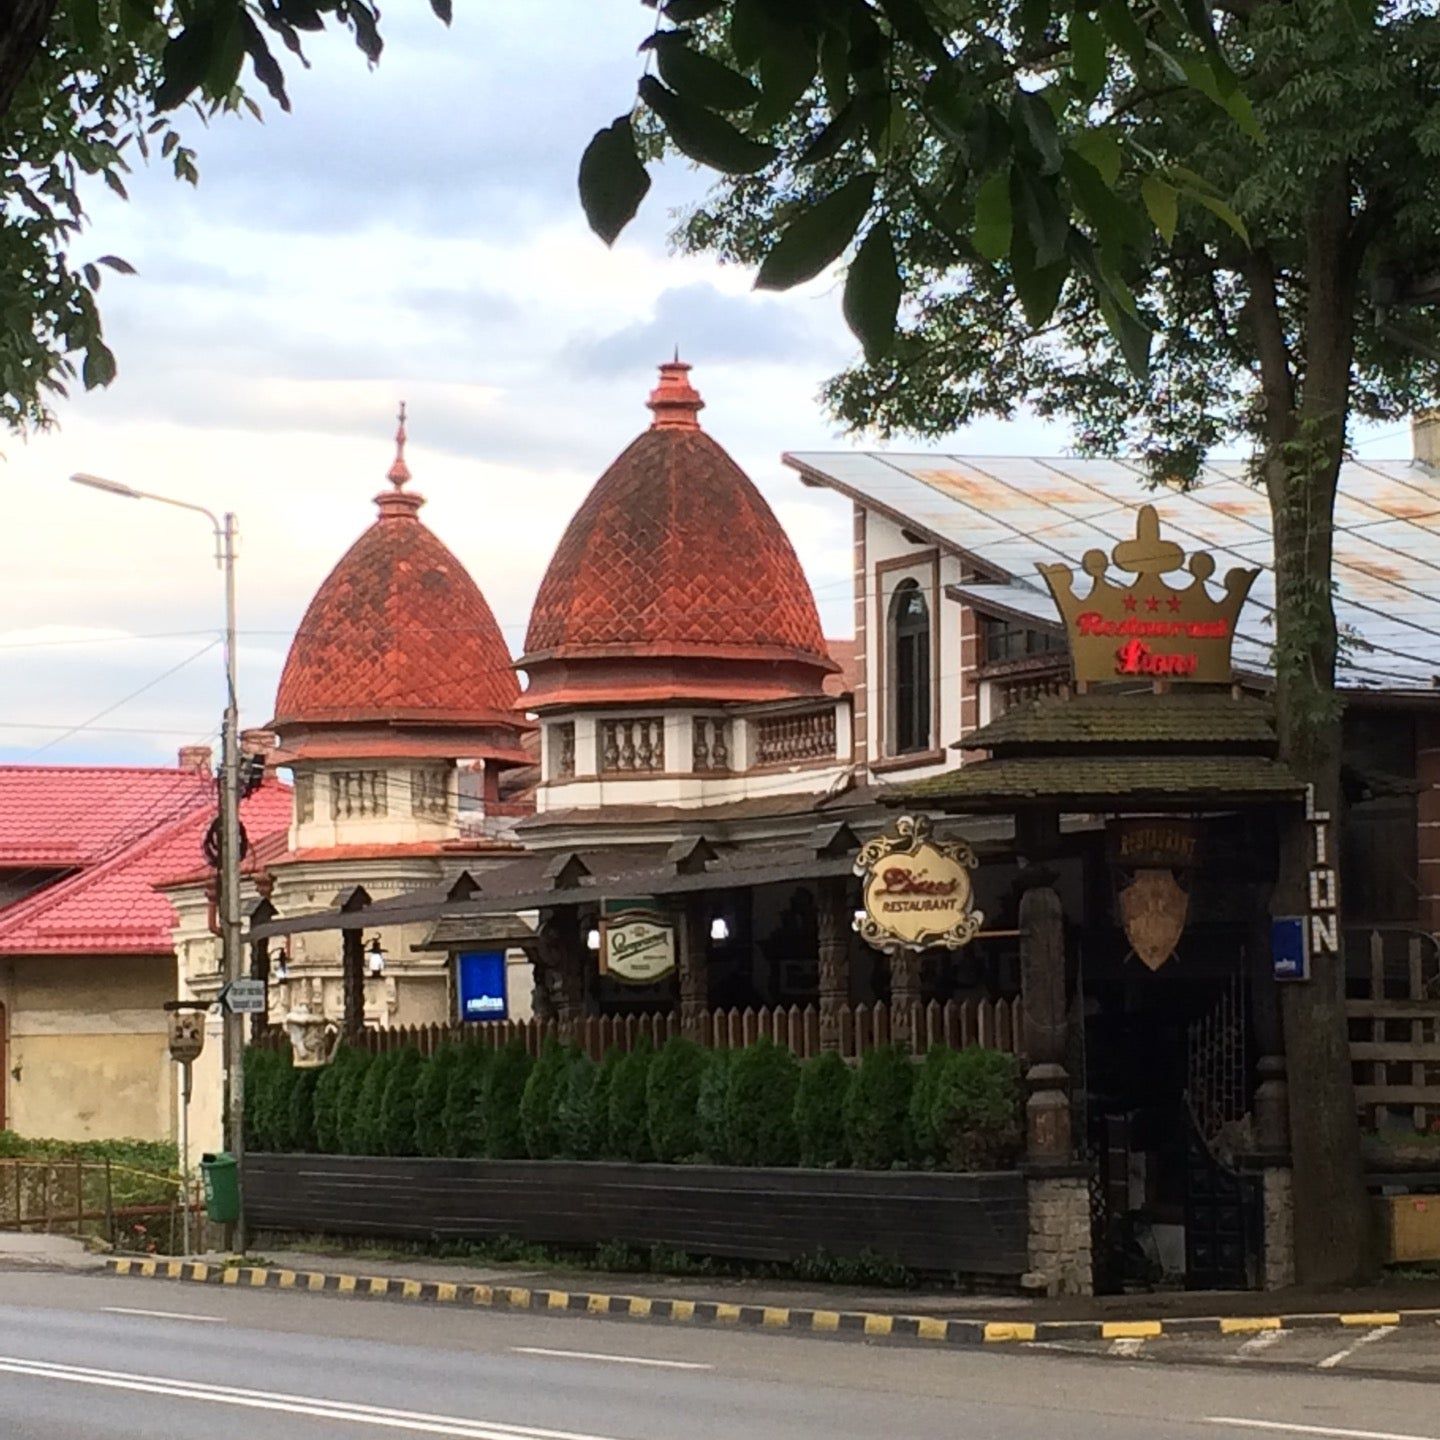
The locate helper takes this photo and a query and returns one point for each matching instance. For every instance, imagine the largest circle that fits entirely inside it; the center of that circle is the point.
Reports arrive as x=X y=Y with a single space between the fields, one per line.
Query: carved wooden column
x=542 y=1000
x=833 y=918
x=1042 y=981
x=693 y=957
x=904 y=997
x=564 y=960
x=352 y=947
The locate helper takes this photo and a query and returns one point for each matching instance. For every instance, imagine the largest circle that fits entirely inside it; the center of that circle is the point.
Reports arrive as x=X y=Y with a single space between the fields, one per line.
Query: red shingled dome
x=399 y=633
x=675 y=557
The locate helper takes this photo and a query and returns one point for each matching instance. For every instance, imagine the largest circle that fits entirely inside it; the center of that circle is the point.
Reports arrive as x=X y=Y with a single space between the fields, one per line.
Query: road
x=85 y=1357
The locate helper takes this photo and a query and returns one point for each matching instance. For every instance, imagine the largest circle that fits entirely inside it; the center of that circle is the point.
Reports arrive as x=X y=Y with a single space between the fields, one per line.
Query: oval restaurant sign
x=1149 y=628
x=917 y=891
x=637 y=946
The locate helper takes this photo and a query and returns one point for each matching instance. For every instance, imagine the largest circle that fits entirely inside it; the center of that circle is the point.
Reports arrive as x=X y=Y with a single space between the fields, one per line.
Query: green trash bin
x=221 y=1177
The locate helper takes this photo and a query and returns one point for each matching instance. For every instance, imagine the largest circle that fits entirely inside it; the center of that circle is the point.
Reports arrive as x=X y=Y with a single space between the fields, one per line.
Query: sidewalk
x=931 y=1315
x=25 y=1250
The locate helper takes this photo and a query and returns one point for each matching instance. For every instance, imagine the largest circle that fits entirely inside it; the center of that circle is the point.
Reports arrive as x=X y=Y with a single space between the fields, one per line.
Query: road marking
x=1127 y=1346
x=164 y=1314
x=1378 y=1333
x=1284 y=1427
x=1258 y=1343
x=614 y=1359
x=312 y=1406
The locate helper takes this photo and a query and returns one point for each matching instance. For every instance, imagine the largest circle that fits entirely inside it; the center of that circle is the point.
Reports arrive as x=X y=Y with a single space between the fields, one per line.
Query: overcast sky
x=412 y=233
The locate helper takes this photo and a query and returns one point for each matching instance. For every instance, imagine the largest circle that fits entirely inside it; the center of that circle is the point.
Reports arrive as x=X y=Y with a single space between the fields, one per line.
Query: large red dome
x=675 y=557
x=399 y=635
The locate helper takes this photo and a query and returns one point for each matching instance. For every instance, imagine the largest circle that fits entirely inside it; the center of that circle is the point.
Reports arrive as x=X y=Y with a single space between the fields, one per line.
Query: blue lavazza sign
x=481 y=985
x=1289 y=953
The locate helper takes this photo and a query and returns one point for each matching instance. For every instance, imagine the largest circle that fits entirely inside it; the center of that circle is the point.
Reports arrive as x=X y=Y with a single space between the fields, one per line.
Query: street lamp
x=234 y=1041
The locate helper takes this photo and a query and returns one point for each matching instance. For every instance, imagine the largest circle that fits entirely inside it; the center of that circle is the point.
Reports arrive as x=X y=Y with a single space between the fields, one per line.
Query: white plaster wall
x=397 y=826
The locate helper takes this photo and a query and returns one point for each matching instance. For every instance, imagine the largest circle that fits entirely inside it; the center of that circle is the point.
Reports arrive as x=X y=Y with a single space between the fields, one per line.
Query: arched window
x=910 y=668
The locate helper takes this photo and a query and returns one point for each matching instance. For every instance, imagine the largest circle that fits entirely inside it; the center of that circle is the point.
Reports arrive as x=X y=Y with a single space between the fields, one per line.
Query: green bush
x=629 y=1129
x=539 y=1105
x=579 y=1120
x=301 y=1136
x=430 y=1092
x=364 y=1131
x=672 y=1095
x=503 y=1091
x=977 y=1110
x=463 y=1119
x=332 y=1100
x=877 y=1109
x=153 y=1157
x=604 y=1143
x=760 y=1106
x=396 y=1132
x=820 y=1111
x=268 y=1077
x=924 y=1143
x=710 y=1107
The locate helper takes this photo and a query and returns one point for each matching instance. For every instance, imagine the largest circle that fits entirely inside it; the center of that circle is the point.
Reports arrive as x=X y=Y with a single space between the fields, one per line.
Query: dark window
x=910 y=646
x=1009 y=640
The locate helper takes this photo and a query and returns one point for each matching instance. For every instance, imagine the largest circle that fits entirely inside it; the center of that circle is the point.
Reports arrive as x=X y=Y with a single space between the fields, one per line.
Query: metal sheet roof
x=1010 y=513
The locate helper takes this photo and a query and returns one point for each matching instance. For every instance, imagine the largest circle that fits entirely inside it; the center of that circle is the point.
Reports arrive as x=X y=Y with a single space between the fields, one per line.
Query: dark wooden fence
x=993 y=1024
x=1395 y=1027
x=973 y=1226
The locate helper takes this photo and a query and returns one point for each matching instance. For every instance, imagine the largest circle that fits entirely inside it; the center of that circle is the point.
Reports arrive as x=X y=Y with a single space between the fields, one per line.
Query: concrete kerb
x=838 y=1324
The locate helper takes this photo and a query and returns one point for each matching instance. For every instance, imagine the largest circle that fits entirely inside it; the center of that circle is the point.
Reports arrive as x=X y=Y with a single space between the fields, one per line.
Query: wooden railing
x=131 y=1209
x=1395 y=1027
x=991 y=1024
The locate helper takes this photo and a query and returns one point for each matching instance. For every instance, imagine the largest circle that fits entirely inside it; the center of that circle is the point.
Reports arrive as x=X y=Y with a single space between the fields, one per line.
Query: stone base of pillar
x=1279 y=1210
x=1060 y=1258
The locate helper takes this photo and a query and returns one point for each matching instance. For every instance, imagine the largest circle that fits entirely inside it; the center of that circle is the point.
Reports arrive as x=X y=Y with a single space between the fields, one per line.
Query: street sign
x=244 y=997
x=1289 y=954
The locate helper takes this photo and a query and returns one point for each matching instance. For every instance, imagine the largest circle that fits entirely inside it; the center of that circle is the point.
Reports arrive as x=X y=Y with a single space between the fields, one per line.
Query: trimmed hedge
x=957 y=1110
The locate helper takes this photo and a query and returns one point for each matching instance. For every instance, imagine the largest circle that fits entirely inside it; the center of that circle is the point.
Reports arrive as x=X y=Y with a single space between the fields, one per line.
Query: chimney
x=258 y=742
x=1425 y=438
x=195 y=759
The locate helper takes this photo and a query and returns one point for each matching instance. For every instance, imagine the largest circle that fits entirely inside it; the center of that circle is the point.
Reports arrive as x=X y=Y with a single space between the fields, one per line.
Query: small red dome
x=675 y=558
x=400 y=634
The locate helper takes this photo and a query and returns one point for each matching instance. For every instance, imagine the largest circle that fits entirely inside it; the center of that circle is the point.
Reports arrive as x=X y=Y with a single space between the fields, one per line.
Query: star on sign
x=1153 y=604
x=1129 y=602
x=1174 y=603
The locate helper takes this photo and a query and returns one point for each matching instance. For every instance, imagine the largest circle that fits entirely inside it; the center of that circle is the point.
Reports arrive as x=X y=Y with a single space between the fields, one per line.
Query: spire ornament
x=399 y=472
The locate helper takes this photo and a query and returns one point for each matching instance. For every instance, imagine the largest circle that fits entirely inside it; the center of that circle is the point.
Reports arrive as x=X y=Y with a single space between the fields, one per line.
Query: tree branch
x=21 y=35
x=1277 y=375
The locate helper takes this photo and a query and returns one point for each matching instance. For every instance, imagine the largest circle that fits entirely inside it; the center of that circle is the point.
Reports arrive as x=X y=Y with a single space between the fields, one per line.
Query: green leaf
x=1125 y=31
x=699 y=77
x=1030 y=114
x=1132 y=335
x=99 y=368
x=1046 y=220
x=910 y=22
x=267 y=67
x=993 y=221
x=1201 y=74
x=85 y=16
x=872 y=293
x=184 y=61
x=612 y=180
x=830 y=140
x=1219 y=208
x=835 y=68
x=817 y=236
x=703 y=135
x=684 y=11
x=749 y=31
x=1162 y=201
x=1102 y=149
x=136 y=17
x=787 y=67
x=1034 y=17
x=1036 y=287
x=1113 y=219
x=227 y=54
x=1089 y=54
x=116 y=263
x=443 y=9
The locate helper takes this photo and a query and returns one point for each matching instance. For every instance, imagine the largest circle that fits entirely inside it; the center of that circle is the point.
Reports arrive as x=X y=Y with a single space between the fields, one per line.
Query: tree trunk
x=1302 y=466
x=21 y=34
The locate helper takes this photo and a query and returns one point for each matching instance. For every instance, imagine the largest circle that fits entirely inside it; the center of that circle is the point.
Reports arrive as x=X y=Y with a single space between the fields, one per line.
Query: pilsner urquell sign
x=917 y=891
x=1149 y=629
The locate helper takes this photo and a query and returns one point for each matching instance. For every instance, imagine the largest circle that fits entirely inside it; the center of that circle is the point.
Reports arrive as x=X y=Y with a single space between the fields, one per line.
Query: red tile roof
x=114 y=908
x=66 y=816
x=845 y=653
x=398 y=632
x=674 y=553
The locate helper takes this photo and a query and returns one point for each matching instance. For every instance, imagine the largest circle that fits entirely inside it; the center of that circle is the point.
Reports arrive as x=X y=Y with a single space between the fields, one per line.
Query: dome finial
x=399 y=472
x=676 y=403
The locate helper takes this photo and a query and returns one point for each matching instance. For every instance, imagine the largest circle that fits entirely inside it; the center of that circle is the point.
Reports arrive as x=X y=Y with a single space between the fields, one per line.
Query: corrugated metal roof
x=1010 y=513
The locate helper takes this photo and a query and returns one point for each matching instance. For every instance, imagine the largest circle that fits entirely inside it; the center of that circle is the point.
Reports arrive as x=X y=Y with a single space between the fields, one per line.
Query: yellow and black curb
x=859 y=1324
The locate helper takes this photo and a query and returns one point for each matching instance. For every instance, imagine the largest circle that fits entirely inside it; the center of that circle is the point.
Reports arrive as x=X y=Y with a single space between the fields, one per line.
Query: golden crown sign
x=1149 y=629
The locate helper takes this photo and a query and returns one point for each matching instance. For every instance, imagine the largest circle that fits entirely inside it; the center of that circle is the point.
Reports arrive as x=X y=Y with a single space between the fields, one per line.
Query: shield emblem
x=1153 y=909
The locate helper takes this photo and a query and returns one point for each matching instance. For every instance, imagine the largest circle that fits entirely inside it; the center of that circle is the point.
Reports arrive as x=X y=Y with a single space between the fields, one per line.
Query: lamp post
x=233 y=1058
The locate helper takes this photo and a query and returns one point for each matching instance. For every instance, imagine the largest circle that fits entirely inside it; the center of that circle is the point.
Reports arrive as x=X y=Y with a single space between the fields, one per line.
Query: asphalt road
x=97 y=1358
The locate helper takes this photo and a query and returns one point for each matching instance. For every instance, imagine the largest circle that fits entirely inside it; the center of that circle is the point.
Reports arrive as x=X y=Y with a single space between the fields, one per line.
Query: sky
x=410 y=232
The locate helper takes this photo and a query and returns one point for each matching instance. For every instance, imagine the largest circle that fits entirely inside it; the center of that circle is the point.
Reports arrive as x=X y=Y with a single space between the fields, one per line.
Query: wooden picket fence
x=992 y=1024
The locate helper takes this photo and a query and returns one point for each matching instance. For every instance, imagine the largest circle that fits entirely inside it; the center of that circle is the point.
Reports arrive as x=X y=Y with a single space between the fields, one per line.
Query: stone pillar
x=563 y=957
x=1042 y=983
x=1272 y=1135
x=692 y=939
x=352 y=948
x=904 y=997
x=1060 y=1258
x=834 y=919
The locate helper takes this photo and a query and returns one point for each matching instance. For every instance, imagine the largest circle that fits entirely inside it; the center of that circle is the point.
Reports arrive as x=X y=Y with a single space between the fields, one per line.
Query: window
x=1009 y=640
x=910 y=668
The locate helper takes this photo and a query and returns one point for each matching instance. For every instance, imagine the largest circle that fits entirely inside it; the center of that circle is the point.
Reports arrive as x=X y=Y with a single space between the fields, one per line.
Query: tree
x=86 y=86
x=1170 y=236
